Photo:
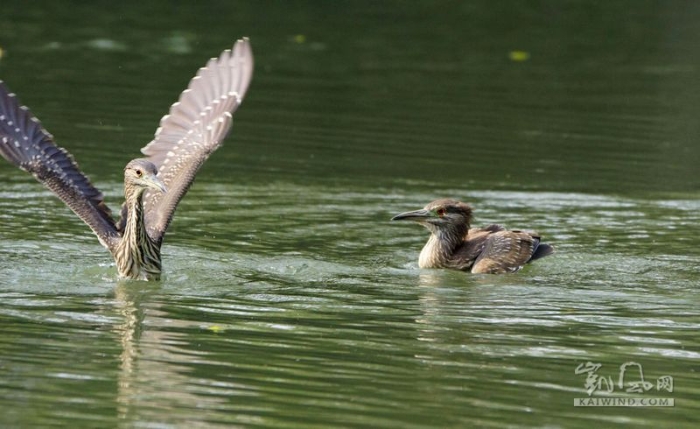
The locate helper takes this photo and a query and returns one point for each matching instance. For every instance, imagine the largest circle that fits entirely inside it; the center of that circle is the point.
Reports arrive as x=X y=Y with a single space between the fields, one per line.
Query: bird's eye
x=139 y=173
x=440 y=212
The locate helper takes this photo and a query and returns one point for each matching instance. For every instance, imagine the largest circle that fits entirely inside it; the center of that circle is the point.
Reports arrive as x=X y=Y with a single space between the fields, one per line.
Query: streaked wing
x=505 y=251
x=194 y=128
x=25 y=143
x=473 y=247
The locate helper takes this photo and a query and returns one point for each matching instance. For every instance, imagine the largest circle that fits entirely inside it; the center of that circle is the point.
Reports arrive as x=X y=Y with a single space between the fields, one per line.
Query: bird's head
x=441 y=215
x=141 y=175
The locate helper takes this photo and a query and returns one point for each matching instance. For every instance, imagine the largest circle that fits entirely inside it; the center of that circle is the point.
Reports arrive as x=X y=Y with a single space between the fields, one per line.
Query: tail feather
x=541 y=251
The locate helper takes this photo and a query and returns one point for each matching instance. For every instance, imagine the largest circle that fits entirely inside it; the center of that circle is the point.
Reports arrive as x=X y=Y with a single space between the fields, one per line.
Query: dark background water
x=289 y=299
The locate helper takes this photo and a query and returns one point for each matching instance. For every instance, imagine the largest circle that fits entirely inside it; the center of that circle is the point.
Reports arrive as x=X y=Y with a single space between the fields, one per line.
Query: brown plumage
x=194 y=128
x=454 y=244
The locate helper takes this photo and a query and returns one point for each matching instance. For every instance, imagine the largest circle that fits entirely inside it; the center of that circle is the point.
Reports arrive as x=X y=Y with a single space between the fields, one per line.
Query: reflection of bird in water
x=453 y=244
x=194 y=128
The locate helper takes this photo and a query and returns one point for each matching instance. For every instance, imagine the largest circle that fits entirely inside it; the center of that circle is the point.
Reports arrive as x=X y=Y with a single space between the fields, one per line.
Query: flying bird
x=153 y=186
x=453 y=243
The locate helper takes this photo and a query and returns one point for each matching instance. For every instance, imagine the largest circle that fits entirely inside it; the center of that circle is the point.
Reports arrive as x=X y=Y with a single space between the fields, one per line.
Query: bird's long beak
x=155 y=183
x=414 y=215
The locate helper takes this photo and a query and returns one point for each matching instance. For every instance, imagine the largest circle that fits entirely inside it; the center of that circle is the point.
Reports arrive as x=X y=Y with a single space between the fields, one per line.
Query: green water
x=289 y=299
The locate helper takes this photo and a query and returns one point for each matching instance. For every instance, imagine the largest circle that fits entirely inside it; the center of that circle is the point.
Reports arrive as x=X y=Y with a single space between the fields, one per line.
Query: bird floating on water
x=454 y=244
x=153 y=186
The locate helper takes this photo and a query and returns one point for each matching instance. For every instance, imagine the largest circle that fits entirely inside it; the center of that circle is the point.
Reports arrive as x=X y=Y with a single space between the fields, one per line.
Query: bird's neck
x=135 y=229
x=140 y=256
x=439 y=251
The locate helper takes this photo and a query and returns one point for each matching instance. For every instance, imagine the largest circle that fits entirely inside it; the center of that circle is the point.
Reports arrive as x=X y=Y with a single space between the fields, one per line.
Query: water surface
x=289 y=299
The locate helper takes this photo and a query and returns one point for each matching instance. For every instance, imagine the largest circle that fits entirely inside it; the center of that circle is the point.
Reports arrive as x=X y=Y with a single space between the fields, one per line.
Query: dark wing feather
x=472 y=247
x=194 y=128
x=505 y=251
x=25 y=143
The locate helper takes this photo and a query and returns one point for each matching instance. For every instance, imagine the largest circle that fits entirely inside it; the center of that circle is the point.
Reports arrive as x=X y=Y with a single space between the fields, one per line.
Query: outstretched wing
x=194 y=128
x=25 y=143
x=505 y=252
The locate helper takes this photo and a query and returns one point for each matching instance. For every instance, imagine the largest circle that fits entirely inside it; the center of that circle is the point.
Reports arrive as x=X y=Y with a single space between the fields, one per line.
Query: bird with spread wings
x=153 y=186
